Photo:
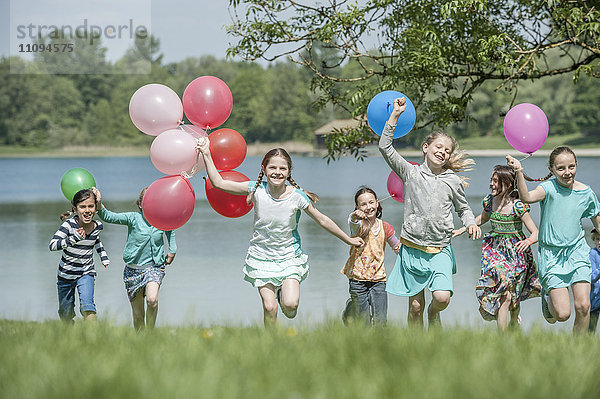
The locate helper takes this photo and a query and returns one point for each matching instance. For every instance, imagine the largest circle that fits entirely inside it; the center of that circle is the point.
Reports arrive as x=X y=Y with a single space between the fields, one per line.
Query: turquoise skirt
x=416 y=270
x=560 y=267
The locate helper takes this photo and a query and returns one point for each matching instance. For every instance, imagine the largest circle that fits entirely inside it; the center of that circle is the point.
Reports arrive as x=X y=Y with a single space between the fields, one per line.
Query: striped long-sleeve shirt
x=78 y=256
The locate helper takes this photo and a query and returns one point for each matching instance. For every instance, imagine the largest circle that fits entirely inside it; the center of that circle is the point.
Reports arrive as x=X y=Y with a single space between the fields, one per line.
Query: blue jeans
x=66 y=296
x=368 y=302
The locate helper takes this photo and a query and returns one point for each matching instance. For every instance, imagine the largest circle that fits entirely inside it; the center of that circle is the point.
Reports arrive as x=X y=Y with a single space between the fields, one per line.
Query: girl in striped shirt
x=77 y=237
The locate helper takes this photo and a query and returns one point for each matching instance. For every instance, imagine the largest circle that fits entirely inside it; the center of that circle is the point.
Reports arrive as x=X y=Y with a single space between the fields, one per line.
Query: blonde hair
x=279 y=152
x=457 y=161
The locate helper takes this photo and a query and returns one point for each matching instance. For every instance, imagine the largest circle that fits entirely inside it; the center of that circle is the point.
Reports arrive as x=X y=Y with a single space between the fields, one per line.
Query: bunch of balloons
x=526 y=128
x=157 y=110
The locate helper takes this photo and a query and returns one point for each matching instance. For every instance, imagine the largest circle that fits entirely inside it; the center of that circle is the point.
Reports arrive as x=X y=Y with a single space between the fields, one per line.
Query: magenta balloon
x=395 y=187
x=207 y=102
x=169 y=202
x=173 y=152
x=154 y=108
x=526 y=128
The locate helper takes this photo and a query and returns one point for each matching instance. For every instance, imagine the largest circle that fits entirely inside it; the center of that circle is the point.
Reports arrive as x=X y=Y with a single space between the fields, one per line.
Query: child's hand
x=474 y=231
x=169 y=259
x=357 y=215
x=97 y=194
x=397 y=248
x=203 y=145
x=513 y=163
x=521 y=246
x=81 y=232
x=399 y=107
x=457 y=232
x=356 y=241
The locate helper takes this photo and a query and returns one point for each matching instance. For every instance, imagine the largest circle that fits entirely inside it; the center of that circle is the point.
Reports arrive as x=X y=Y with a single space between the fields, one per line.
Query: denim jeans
x=66 y=296
x=368 y=302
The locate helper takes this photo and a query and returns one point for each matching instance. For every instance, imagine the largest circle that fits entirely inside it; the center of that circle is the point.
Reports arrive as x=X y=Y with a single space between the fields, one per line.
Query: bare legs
x=144 y=314
x=289 y=300
x=507 y=317
x=416 y=305
x=559 y=304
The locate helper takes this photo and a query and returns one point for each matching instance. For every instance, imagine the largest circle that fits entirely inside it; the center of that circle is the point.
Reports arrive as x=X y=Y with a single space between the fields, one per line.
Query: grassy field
x=54 y=360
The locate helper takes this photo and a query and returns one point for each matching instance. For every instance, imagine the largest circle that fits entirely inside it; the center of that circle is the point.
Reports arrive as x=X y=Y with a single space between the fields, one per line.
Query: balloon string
x=528 y=155
x=195 y=169
x=388 y=197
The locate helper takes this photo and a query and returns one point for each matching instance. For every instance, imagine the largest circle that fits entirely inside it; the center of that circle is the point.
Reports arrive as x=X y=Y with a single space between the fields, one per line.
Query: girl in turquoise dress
x=563 y=253
x=508 y=271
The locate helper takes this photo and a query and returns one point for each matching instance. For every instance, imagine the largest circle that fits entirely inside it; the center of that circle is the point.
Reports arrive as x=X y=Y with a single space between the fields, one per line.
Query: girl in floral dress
x=508 y=271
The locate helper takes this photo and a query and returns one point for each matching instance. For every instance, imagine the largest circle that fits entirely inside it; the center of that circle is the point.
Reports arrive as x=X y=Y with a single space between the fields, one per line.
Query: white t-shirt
x=275 y=234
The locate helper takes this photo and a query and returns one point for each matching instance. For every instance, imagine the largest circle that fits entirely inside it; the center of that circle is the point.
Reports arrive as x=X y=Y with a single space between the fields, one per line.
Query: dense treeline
x=271 y=103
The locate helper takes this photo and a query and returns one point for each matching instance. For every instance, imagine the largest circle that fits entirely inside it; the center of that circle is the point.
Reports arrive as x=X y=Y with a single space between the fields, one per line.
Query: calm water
x=205 y=284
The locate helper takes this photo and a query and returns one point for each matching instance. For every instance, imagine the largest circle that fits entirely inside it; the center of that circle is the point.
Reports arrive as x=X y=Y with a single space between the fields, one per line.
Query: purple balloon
x=526 y=128
x=154 y=108
x=173 y=152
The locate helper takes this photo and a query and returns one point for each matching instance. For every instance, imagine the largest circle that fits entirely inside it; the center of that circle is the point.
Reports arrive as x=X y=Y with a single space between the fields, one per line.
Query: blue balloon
x=379 y=111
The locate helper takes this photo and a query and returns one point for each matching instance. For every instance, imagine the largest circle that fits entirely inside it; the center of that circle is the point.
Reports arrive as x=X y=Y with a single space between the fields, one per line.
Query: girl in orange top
x=364 y=268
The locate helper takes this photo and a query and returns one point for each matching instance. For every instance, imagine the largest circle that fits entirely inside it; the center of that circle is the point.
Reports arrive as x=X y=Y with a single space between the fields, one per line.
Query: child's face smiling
x=495 y=185
x=85 y=210
x=564 y=169
x=277 y=171
x=438 y=152
x=367 y=203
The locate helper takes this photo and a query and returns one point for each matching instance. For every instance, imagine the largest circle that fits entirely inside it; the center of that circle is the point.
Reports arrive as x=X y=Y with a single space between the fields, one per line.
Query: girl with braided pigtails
x=275 y=263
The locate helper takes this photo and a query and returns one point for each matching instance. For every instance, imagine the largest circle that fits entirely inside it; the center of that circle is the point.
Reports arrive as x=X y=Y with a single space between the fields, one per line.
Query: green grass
x=54 y=360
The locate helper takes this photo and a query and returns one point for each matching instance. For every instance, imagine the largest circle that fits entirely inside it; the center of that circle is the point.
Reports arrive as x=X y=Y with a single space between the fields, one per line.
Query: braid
x=251 y=194
x=549 y=175
x=313 y=197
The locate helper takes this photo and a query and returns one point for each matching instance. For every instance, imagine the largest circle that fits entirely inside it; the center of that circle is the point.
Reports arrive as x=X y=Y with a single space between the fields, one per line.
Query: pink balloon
x=395 y=187
x=154 y=108
x=169 y=202
x=173 y=152
x=526 y=128
x=207 y=102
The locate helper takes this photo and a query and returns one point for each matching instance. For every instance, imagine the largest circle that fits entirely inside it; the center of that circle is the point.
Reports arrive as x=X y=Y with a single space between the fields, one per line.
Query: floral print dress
x=503 y=269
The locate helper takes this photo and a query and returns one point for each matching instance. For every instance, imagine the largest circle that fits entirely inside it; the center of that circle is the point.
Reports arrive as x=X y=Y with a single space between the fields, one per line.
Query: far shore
x=254 y=149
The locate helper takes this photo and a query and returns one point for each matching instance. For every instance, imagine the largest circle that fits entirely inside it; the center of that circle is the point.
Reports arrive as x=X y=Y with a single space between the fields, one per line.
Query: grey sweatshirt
x=428 y=198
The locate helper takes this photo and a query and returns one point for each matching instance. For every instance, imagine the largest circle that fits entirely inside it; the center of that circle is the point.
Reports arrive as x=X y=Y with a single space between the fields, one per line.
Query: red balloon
x=169 y=202
x=229 y=205
x=228 y=148
x=207 y=102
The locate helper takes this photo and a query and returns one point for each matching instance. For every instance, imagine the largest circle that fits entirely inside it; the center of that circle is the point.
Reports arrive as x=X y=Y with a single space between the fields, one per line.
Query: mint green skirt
x=260 y=272
x=560 y=267
x=416 y=270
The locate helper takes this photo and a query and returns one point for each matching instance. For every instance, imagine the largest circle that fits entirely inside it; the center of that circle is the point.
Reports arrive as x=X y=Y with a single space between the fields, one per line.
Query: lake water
x=204 y=286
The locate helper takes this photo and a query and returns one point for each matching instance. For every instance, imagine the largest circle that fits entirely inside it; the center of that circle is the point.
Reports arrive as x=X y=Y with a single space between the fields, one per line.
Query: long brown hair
x=507 y=178
x=279 y=152
x=457 y=161
x=366 y=225
x=551 y=159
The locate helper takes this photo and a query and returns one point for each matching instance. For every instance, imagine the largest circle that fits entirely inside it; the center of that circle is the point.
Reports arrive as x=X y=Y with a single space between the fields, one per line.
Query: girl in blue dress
x=563 y=253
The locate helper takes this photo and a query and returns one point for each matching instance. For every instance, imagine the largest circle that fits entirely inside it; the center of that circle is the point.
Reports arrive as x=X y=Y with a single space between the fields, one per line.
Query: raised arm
x=329 y=225
x=231 y=187
x=535 y=195
x=399 y=165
